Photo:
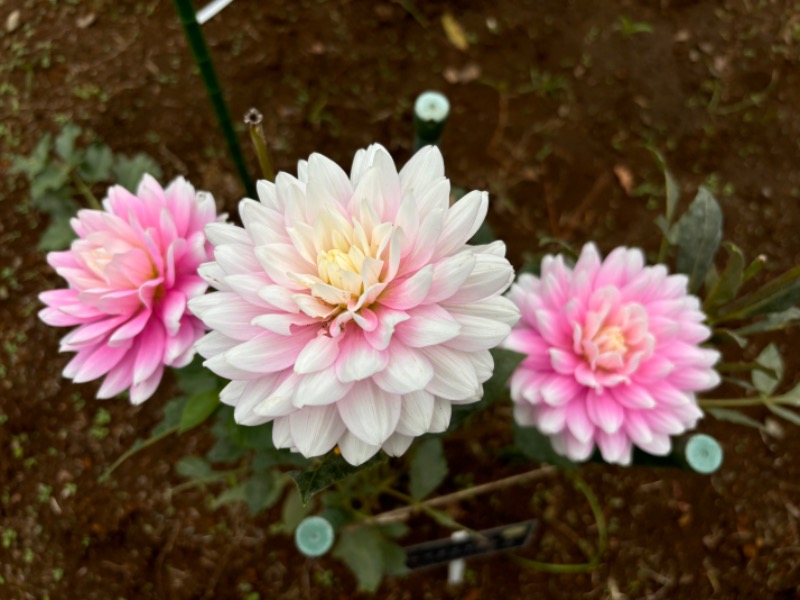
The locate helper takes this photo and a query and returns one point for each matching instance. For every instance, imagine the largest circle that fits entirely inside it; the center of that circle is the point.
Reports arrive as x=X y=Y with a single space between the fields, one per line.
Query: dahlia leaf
x=65 y=143
x=733 y=416
x=293 y=511
x=699 y=236
x=97 y=163
x=362 y=551
x=729 y=282
x=767 y=381
x=263 y=490
x=333 y=469
x=128 y=171
x=57 y=236
x=428 y=468
x=505 y=363
x=198 y=408
x=194 y=467
x=234 y=494
x=778 y=295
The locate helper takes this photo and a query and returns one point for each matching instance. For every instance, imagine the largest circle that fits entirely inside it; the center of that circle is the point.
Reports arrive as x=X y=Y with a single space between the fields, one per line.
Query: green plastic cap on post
x=314 y=536
x=430 y=114
x=703 y=453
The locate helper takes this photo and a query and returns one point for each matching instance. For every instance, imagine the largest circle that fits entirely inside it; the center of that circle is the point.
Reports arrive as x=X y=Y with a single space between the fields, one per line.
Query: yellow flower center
x=342 y=269
x=611 y=339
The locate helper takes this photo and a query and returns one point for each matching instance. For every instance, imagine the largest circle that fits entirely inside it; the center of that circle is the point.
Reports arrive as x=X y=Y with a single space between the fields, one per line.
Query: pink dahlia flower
x=613 y=355
x=130 y=274
x=350 y=310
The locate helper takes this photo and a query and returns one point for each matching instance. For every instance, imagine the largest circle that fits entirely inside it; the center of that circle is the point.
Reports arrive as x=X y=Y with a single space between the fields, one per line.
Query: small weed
x=8 y=537
x=630 y=28
x=28 y=556
x=45 y=491
x=99 y=430
x=57 y=574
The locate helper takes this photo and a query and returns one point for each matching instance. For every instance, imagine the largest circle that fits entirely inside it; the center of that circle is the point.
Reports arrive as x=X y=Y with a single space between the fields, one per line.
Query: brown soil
x=555 y=104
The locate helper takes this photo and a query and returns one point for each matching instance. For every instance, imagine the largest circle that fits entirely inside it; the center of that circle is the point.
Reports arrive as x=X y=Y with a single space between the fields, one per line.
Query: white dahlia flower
x=350 y=310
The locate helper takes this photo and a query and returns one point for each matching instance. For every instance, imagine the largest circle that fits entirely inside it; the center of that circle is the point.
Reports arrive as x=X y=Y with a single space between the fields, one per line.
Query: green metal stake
x=202 y=59
x=430 y=115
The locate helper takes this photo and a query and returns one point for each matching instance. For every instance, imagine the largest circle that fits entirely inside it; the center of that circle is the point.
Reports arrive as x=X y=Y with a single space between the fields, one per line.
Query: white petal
x=490 y=277
x=332 y=177
x=277 y=402
x=409 y=292
x=370 y=413
x=462 y=221
x=355 y=451
x=226 y=233
x=454 y=376
x=422 y=170
x=358 y=359
x=268 y=352
x=320 y=388
x=478 y=333
x=316 y=429
x=428 y=325
x=442 y=409
x=498 y=308
x=407 y=370
x=449 y=274
x=397 y=444
x=320 y=353
x=416 y=413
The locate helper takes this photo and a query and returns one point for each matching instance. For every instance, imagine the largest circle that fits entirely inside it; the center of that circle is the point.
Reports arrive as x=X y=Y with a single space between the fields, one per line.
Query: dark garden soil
x=553 y=103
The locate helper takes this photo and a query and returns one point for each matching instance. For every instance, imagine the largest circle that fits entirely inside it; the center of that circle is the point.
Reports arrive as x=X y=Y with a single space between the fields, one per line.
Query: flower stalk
x=253 y=119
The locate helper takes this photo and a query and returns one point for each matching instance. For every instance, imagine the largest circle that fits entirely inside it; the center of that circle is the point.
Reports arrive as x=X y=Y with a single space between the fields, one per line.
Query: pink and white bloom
x=350 y=310
x=613 y=355
x=130 y=273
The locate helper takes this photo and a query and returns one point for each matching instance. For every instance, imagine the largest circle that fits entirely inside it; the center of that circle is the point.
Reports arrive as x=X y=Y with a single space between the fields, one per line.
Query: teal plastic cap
x=703 y=453
x=314 y=536
x=432 y=106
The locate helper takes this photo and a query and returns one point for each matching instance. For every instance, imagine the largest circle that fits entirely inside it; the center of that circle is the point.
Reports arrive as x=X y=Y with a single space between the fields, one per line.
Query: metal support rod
x=202 y=58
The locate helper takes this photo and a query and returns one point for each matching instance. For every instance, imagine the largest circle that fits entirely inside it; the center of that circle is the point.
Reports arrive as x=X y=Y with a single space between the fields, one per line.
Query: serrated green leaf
x=58 y=236
x=194 y=467
x=536 y=446
x=128 y=171
x=784 y=413
x=197 y=409
x=699 y=236
x=96 y=165
x=360 y=550
x=333 y=469
x=428 y=468
x=770 y=358
x=65 y=143
x=52 y=178
x=263 y=490
x=733 y=416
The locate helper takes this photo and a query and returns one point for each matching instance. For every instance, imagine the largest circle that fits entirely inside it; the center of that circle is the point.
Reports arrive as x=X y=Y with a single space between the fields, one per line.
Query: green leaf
x=194 y=467
x=773 y=322
x=333 y=469
x=484 y=235
x=770 y=358
x=778 y=295
x=536 y=446
x=172 y=415
x=729 y=282
x=96 y=165
x=58 y=236
x=369 y=555
x=428 y=468
x=234 y=494
x=128 y=171
x=505 y=363
x=263 y=490
x=65 y=143
x=52 y=178
x=198 y=408
x=784 y=413
x=293 y=511
x=195 y=378
x=699 y=235
x=733 y=416
x=32 y=165
x=672 y=190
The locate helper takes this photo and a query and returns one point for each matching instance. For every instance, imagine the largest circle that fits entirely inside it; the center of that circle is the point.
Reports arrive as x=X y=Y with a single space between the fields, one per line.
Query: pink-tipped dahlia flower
x=350 y=310
x=130 y=274
x=613 y=355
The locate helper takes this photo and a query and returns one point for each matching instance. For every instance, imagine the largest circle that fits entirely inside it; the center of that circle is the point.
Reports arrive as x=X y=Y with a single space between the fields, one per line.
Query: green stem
x=202 y=59
x=204 y=480
x=86 y=192
x=602 y=538
x=253 y=120
x=744 y=402
x=136 y=448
